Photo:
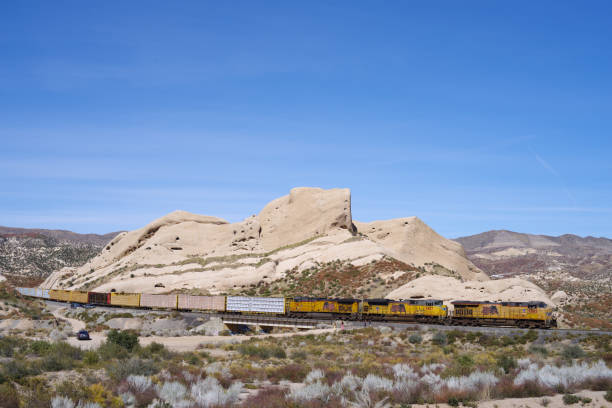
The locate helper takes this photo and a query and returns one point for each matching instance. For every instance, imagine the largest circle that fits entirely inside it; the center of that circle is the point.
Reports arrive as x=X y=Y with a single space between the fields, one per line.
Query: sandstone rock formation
x=183 y=251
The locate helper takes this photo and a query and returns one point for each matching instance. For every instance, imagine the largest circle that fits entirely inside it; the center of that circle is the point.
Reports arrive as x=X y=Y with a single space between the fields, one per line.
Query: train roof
x=488 y=302
x=315 y=299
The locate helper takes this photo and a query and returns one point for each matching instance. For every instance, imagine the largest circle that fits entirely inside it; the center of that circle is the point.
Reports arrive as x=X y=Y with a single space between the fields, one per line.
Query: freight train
x=465 y=312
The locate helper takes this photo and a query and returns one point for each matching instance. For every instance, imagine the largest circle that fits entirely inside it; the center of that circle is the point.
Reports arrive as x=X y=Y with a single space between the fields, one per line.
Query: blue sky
x=472 y=115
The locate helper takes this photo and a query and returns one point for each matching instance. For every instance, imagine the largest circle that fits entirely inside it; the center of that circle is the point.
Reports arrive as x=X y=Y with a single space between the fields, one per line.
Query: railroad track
x=312 y=323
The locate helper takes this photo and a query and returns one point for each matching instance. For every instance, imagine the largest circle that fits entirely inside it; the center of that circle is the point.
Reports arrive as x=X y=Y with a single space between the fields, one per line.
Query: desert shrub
x=173 y=393
x=453 y=402
x=155 y=349
x=415 y=338
x=263 y=352
x=9 y=398
x=102 y=397
x=569 y=399
x=35 y=393
x=573 y=351
x=74 y=391
x=61 y=356
x=39 y=347
x=124 y=338
x=291 y=372
x=535 y=349
x=298 y=355
x=452 y=335
x=134 y=366
x=506 y=362
x=439 y=339
x=608 y=395
x=16 y=370
x=209 y=393
x=61 y=402
x=91 y=357
x=597 y=376
x=8 y=345
x=109 y=351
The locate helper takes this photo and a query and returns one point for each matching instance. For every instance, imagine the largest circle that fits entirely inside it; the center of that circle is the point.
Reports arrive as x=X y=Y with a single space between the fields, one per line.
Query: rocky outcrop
x=413 y=241
x=304 y=213
x=183 y=251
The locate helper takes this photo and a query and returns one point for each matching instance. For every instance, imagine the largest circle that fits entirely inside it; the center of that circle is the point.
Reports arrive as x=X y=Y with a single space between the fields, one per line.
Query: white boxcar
x=43 y=293
x=190 y=302
x=255 y=304
x=161 y=301
x=28 y=291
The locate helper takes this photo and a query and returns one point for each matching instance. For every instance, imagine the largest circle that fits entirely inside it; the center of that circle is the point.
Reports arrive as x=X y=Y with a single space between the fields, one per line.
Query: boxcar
x=78 y=297
x=125 y=299
x=158 y=301
x=59 y=295
x=212 y=303
x=427 y=310
x=323 y=307
x=522 y=314
x=43 y=293
x=247 y=304
x=98 y=298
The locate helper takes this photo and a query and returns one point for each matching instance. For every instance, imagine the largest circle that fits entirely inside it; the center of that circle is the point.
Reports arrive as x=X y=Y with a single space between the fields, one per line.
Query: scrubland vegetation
x=356 y=368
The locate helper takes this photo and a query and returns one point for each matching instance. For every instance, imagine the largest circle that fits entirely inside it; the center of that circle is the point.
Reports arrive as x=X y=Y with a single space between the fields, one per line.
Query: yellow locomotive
x=420 y=310
x=324 y=307
x=521 y=314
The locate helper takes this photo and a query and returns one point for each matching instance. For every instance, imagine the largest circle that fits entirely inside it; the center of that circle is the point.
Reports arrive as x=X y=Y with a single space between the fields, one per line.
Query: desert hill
x=30 y=255
x=305 y=230
x=510 y=253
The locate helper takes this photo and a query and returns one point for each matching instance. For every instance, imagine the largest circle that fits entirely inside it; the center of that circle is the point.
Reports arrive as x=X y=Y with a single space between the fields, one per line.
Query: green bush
x=569 y=399
x=125 y=338
x=572 y=352
x=91 y=357
x=506 y=362
x=608 y=395
x=108 y=351
x=9 y=398
x=263 y=352
x=415 y=338
x=8 y=346
x=40 y=347
x=134 y=366
x=453 y=402
x=439 y=338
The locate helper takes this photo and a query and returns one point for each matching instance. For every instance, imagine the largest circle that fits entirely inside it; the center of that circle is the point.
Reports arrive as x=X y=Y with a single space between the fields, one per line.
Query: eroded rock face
x=303 y=214
x=306 y=227
x=414 y=242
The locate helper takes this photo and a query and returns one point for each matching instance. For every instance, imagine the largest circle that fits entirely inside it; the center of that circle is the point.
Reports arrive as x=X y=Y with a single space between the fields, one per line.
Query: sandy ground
x=555 y=402
x=180 y=344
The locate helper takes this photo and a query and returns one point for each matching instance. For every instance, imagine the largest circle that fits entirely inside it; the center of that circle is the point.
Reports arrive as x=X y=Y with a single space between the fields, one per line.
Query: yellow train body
x=78 y=297
x=536 y=312
x=60 y=295
x=125 y=299
x=414 y=308
x=319 y=305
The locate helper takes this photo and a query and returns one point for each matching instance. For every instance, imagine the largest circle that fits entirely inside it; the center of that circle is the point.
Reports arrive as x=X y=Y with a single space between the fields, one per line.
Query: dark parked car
x=83 y=335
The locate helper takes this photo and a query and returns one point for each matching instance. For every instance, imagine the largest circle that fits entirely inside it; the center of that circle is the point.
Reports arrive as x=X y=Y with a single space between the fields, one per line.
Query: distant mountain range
x=35 y=253
x=506 y=253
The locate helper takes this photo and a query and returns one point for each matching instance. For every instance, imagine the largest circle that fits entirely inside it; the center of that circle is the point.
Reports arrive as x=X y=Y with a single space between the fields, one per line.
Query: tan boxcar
x=189 y=302
x=60 y=295
x=158 y=301
x=125 y=299
x=78 y=297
